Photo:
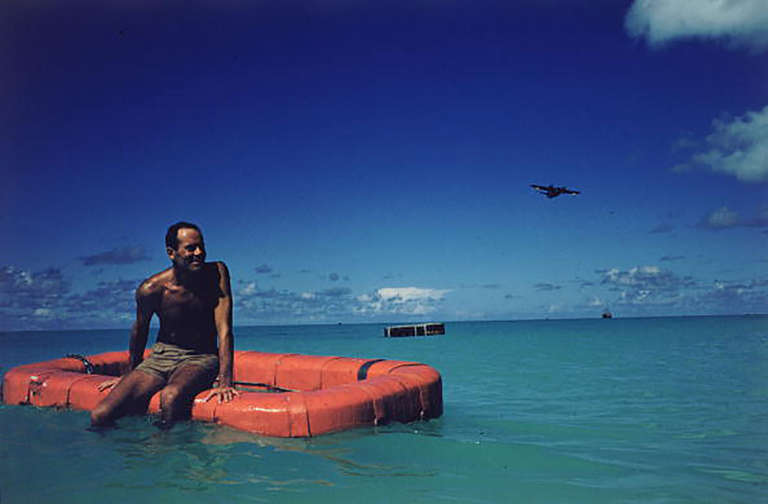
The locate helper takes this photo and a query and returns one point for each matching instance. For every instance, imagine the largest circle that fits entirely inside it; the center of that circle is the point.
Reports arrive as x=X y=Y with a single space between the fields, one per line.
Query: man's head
x=185 y=247
x=172 y=235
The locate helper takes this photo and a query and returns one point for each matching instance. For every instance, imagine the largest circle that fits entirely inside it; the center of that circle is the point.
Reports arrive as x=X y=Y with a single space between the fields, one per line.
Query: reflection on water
x=352 y=468
x=330 y=447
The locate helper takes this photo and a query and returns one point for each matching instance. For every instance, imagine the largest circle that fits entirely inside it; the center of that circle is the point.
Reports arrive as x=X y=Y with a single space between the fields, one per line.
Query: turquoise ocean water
x=665 y=410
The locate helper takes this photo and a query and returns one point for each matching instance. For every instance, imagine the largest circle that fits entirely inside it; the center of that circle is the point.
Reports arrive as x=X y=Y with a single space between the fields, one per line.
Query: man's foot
x=162 y=424
x=102 y=427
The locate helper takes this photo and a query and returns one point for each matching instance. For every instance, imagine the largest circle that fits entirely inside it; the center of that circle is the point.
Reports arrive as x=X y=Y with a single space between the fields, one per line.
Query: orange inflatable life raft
x=315 y=394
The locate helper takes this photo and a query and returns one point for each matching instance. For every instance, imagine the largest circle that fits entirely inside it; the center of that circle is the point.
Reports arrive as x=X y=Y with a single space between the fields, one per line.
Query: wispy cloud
x=43 y=299
x=668 y=258
x=124 y=255
x=736 y=147
x=725 y=218
x=731 y=297
x=741 y=23
x=595 y=302
x=263 y=269
x=269 y=305
x=336 y=292
x=26 y=290
x=335 y=302
x=546 y=287
x=722 y=218
x=401 y=300
x=645 y=285
x=649 y=290
x=490 y=286
x=110 y=302
x=662 y=228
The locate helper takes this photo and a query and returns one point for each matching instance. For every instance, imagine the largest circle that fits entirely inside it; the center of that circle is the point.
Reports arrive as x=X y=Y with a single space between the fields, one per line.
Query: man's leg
x=131 y=395
x=184 y=384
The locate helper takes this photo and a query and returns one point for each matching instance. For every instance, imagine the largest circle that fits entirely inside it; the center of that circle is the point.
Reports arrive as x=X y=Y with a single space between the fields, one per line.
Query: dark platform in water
x=426 y=329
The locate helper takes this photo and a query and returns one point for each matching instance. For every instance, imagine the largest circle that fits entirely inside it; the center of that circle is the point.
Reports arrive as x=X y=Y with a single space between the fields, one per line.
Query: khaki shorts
x=165 y=359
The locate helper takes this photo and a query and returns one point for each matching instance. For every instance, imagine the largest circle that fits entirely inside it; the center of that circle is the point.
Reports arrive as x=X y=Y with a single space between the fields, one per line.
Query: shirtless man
x=193 y=301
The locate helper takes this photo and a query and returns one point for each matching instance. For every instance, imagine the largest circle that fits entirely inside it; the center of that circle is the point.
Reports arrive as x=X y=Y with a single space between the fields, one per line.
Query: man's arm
x=140 y=328
x=223 y=319
x=139 y=331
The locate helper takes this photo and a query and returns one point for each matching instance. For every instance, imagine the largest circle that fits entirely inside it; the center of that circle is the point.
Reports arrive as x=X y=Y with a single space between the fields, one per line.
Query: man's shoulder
x=219 y=265
x=219 y=275
x=155 y=283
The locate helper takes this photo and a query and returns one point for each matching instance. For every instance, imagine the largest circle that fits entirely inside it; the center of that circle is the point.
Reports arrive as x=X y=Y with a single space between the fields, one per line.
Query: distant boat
x=426 y=329
x=607 y=314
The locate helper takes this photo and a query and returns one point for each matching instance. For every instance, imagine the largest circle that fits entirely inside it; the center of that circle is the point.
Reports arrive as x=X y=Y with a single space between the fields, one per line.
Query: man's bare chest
x=176 y=301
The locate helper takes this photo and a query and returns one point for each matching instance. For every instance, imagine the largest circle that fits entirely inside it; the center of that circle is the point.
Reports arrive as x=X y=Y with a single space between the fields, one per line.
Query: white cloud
x=645 y=285
x=249 y=289
x=732 y=297
x=43 y=299
x=401 y=300
x=546 y=287
x=406 y=294
x=738 y=147
x=28 y=290
x=725 y=218
x=263 y=269
x=633 y=276
x=335 y=303
x=124 y=255
x=741 y=22
x=722 y=218
x=595 y=302
x=651 y=290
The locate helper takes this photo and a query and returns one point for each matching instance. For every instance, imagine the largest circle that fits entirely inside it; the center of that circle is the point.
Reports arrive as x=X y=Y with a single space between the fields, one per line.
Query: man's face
x=190 y=253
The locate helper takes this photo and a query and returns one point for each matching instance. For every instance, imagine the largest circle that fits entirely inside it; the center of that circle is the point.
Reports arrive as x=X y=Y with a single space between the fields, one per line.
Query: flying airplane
x=552 y=192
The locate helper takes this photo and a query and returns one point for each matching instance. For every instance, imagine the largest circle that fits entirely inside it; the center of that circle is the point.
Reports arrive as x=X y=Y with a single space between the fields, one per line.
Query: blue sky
x=357 y=161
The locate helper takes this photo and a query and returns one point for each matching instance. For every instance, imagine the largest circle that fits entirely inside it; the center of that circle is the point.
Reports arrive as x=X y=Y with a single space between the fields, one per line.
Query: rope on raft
x=88 y=366
x=271 y=388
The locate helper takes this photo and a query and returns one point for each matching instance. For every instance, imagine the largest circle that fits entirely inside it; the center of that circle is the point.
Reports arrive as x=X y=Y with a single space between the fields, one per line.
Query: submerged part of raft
x=318 y=394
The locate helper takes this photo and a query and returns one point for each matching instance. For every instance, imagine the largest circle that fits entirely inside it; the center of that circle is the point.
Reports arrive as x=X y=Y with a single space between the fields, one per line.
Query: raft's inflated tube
x=327 y=394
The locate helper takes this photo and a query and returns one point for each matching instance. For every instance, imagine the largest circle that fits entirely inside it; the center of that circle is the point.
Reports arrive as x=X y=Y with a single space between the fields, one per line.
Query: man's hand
x=225 y=394
x=108 y=384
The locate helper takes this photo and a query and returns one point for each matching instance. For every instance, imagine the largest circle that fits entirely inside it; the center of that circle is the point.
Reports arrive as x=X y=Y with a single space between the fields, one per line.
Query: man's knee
x=170 y=395
x=101 y=415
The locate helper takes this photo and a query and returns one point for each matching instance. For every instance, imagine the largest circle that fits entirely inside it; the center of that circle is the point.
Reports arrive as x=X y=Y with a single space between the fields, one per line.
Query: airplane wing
x=552 y=191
